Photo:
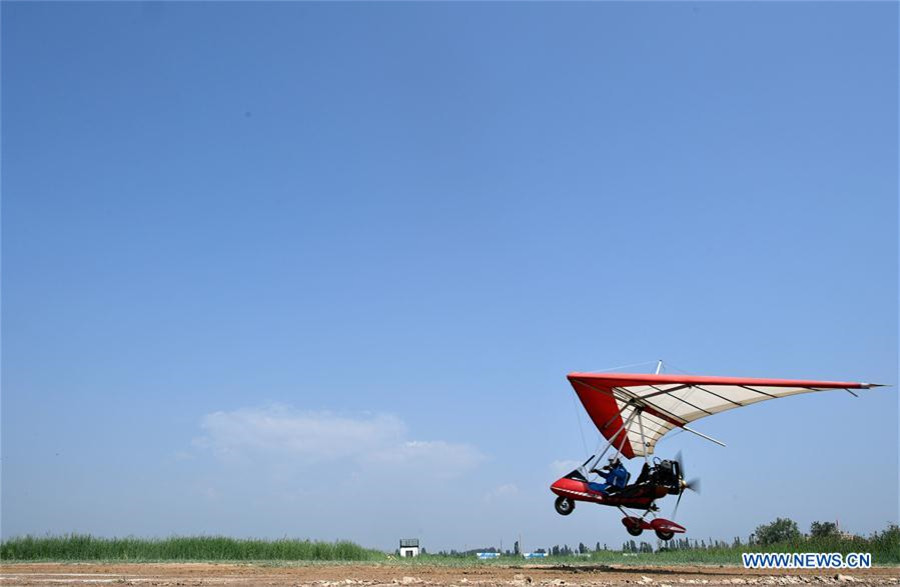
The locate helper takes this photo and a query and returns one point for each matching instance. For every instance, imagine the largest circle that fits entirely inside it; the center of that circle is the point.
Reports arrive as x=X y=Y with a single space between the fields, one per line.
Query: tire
x=634 y=530
x=564 y=506
x=664 y=535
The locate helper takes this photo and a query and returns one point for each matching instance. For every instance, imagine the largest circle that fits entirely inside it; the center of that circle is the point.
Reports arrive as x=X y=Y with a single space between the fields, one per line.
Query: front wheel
x=634 y=530
x=564 y=506
x=664 y=535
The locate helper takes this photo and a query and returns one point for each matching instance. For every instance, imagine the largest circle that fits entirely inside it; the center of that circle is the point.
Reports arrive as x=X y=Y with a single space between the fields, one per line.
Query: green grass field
x=80 y=547
x=884 y=547
x=882 y=555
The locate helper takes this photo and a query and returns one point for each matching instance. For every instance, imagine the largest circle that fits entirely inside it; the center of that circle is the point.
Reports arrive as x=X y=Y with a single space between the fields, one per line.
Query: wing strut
x=701 y=435
x=596 y=460
x=644 y=438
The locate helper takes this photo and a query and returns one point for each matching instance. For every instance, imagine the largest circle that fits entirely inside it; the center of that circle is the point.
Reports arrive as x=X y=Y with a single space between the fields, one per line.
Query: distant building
x=843 y=533
x=409 y=547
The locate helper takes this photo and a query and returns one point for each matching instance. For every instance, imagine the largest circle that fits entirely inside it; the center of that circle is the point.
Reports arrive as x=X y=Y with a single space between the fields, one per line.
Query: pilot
x=615 y=474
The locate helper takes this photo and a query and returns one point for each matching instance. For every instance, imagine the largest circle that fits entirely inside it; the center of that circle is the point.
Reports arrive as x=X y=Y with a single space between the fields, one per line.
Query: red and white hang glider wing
x=665 y=402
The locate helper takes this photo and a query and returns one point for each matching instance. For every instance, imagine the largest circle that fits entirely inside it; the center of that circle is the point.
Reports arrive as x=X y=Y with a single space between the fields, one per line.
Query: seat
x=644 y=476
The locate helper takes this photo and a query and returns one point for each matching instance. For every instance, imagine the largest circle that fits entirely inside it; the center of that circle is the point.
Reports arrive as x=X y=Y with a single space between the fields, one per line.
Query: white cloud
x=278 y=434
x=447 y=456
x=306 y=436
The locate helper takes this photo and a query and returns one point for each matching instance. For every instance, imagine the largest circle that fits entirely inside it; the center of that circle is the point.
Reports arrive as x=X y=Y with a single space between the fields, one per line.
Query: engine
x=667 y=474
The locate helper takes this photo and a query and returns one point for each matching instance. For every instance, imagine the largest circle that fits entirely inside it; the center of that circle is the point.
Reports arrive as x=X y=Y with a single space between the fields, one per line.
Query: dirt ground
x=421 y=576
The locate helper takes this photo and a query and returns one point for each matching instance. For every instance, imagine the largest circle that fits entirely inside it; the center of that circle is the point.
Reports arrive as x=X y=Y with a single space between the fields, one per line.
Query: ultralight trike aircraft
x=633 y=411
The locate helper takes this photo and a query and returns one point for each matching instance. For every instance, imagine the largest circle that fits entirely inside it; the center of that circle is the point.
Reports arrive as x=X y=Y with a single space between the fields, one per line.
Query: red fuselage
x=637 y=497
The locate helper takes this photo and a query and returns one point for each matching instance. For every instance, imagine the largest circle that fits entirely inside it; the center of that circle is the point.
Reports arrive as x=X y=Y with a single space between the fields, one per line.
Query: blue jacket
x=616 y=477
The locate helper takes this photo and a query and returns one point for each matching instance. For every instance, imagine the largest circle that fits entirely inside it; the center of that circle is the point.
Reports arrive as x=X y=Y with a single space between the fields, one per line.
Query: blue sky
x=320 y=270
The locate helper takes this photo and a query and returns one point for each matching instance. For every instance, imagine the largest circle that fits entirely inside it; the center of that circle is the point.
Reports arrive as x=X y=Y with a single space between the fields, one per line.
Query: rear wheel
x=664 y=535
x=564 y=506
x=634 y=530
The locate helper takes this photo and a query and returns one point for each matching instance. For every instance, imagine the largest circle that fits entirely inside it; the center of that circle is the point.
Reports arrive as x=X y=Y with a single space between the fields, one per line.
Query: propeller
x=680 y=461
x=693 y=484
x=677 y=503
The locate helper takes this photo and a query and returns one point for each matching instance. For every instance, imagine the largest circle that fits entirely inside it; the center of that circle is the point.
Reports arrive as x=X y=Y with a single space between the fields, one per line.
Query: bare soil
x=387 y=575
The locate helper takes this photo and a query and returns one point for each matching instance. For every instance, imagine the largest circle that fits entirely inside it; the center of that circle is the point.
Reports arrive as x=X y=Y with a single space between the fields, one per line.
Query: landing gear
x=564 y=506
x=633 y=525
x=664 y=529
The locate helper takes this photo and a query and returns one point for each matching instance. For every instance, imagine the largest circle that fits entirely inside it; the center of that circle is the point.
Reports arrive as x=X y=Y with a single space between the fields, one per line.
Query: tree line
x=780 y=531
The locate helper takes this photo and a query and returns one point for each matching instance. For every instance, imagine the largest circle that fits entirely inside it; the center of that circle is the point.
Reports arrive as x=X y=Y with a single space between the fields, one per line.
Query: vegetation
x=823 y=537
x=823 y=530
x=777 y=532
x=81 y=547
